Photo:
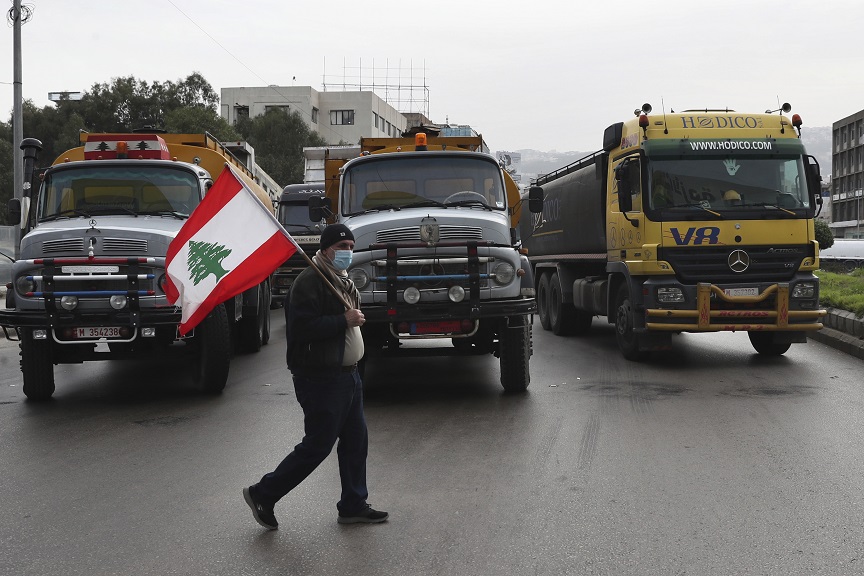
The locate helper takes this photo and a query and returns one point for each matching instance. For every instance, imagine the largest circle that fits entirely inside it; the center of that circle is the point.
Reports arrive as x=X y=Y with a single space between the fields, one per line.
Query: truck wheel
x=562 y=316
x=543 y=302
x=763 y=343
x=628 y=341
x=213 y=351
x=515 y=352
x=37 y=367
x=252 y=327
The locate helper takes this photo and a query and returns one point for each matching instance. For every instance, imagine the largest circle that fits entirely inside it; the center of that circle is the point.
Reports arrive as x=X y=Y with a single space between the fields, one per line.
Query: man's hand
x=354 y=318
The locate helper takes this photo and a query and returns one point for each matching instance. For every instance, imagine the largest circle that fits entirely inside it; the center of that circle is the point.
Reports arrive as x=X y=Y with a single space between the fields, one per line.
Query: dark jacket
x=315 y=327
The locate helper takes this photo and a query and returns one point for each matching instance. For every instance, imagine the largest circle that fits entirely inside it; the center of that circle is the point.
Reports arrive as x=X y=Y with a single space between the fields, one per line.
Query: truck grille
x=694 y=264
x=412 y=234
x=63 y=245
x=124 y=245
x=432 y=267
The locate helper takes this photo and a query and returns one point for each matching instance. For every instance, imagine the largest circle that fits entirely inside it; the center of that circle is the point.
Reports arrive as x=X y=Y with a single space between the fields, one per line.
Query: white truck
x=90 y=280
x=436 y=253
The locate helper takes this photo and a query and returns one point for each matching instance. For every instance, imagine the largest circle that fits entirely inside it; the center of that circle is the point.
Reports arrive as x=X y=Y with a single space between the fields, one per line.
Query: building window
x=338 y=117
x=240 y=111
x=285 y=107
x=375 y=119
x=314 y=115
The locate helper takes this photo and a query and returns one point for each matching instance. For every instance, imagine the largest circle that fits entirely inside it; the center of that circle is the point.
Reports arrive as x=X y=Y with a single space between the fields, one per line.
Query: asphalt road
x=708 y=460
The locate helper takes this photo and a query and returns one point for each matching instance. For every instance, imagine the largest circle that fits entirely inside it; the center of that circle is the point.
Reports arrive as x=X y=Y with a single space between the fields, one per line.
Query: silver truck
x=89 y=282
x=436 y=254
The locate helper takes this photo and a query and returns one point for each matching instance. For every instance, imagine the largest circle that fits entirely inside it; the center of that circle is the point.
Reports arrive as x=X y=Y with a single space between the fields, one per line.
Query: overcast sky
x=541 y=74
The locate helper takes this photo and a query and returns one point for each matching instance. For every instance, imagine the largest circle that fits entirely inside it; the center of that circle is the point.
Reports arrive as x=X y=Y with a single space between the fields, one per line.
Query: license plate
x=89 y=269
x=91 y=332
x=443 y=327
x=741 y=291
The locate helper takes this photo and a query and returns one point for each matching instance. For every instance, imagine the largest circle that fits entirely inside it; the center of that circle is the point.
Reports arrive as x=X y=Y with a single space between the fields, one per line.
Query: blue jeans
x=332 y=410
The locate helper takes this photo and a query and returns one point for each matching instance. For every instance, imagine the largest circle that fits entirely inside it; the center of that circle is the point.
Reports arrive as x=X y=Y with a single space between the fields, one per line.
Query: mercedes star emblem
x=738 y=261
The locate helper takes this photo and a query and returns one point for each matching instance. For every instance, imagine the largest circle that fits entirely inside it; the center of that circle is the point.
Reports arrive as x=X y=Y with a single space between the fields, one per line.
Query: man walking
x=324 y=346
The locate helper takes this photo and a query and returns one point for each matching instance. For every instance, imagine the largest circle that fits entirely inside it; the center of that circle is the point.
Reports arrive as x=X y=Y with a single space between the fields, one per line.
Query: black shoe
x=263 y=515
x=366 y=516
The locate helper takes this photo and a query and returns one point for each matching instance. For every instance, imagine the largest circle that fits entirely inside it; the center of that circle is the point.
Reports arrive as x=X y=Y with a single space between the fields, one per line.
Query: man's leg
x=352 y=451
x=324 y=409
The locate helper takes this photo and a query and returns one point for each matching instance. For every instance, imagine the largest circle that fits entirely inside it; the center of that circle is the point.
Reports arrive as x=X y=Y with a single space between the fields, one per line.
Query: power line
x=269 y=85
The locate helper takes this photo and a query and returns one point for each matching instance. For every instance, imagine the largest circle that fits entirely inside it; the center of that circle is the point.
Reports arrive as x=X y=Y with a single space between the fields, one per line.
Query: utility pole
x=17 y=117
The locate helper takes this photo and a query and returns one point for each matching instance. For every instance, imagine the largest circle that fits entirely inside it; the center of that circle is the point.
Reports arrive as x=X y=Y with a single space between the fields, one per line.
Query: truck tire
x=37 y=367
x=213 y=351
x=543 y=301
x=252 y=328
x=763 y=343
x=515 y=353
x=628 y=341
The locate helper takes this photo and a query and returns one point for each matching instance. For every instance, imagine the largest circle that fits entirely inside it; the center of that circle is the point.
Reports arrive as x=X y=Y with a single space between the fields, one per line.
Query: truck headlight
x=25 y=284
x=670 y=295
x=359 y=277
x=503 y=273
x=69 y=302
x=411 y=295
x=456 y=293
x=804 y=290
x=118 y=301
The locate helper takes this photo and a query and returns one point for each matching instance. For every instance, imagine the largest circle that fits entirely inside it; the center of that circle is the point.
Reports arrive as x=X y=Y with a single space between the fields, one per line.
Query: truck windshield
x=735 y=184
x=91 y=190
x=422 y=181
x=295 y=218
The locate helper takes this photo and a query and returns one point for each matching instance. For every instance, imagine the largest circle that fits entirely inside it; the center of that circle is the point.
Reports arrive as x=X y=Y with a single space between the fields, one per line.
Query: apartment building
x=338 y=116
x=847 y=176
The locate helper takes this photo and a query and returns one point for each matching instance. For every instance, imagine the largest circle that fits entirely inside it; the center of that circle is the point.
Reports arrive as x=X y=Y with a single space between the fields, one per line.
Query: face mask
x=342 y=259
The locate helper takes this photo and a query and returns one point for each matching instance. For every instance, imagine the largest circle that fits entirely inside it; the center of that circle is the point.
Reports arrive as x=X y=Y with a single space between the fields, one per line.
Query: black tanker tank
x=573 y=221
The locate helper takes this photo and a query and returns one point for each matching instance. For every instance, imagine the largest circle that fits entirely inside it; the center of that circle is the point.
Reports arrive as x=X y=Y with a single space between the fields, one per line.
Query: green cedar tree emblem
x=206 y=258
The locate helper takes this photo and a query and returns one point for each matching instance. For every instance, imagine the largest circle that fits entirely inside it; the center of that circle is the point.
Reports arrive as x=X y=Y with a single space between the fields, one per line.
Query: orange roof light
x=122 y=149
x=420 y=139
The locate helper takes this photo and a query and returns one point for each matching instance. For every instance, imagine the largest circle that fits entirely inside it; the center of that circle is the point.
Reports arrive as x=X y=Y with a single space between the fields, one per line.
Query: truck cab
x=293 y=213
x=436 y=255
x=90 y=281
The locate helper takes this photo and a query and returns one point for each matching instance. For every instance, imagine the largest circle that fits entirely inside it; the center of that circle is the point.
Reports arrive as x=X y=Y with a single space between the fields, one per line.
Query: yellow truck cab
x=695 y=221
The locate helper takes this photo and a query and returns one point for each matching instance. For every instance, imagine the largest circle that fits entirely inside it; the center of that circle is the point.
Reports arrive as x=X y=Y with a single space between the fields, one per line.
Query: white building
x=339 y=117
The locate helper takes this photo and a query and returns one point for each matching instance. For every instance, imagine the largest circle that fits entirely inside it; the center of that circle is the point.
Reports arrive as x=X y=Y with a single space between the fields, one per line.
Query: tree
x=279 y=138
x=823 y=234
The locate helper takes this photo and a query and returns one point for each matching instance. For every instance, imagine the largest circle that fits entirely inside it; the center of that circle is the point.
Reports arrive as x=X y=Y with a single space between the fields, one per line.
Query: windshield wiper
x=427 y=202
x=381 y=207
x=469 y=203
x=298 y=225
x=65 y=214
x=774 y=206
x=175 y=214
x=697 y=205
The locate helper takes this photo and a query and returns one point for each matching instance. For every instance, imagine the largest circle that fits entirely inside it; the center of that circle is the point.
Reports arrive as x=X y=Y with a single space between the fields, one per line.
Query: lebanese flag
x=230 y=243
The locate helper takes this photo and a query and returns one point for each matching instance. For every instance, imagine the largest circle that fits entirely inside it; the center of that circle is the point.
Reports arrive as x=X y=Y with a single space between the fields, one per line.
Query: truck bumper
x=717 y=311
x=12 y=320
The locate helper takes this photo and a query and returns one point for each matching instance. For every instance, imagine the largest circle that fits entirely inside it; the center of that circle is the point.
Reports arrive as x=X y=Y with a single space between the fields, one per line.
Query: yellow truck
x=436 y=253
x=694 y=221
x=90 y=280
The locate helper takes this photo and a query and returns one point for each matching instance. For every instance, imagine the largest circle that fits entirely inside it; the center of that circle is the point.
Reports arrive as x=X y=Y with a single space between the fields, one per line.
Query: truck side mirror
x=535 y=199
x=319 y=208
x=13 y=212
